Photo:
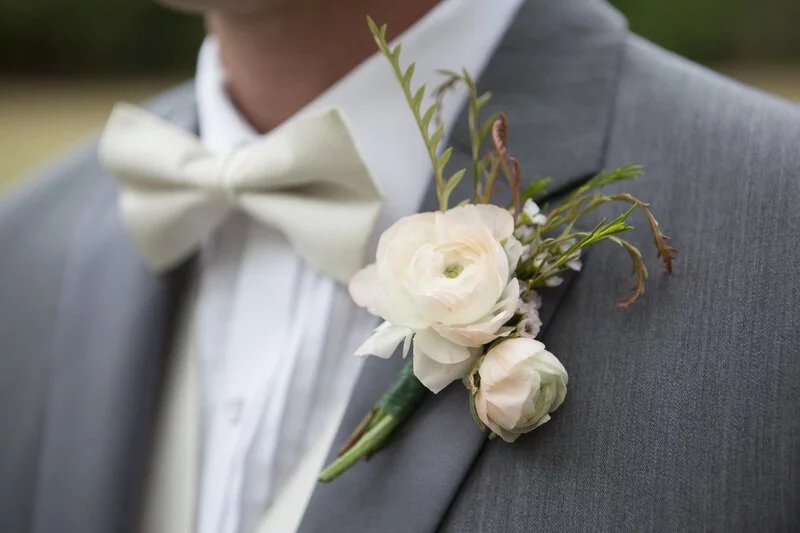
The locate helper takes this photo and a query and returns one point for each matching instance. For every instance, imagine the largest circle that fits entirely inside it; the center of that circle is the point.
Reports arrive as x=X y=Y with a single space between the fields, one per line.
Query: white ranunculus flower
x=521 y=383
x=448 y=280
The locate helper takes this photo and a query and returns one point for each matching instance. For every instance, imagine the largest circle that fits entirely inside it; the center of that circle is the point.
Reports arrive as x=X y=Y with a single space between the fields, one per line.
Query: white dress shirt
x=273 y=338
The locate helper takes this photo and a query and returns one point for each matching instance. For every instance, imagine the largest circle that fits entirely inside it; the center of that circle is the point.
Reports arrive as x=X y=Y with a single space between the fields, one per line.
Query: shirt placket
x=258 y=343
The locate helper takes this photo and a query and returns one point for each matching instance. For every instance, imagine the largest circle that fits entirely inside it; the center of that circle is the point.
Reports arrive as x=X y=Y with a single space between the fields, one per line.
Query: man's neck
x=280 y=59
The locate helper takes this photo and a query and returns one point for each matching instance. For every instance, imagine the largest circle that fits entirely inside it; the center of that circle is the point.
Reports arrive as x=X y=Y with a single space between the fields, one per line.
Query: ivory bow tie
x=307 y=179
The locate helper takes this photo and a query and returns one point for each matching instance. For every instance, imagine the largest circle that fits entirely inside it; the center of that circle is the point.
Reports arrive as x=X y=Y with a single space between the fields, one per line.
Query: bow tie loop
x=306 y=179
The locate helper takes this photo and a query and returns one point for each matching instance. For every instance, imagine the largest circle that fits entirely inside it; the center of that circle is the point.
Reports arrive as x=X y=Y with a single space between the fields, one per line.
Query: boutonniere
x=458 y=287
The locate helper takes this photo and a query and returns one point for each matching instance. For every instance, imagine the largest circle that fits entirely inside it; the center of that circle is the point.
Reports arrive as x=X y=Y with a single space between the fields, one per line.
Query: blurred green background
x=64 y=62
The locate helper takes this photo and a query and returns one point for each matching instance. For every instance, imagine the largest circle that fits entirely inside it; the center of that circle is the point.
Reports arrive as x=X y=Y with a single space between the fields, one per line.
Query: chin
x=219 y=5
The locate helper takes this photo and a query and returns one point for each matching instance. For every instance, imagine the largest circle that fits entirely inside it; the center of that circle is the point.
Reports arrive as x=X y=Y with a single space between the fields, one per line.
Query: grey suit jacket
x=683 y=412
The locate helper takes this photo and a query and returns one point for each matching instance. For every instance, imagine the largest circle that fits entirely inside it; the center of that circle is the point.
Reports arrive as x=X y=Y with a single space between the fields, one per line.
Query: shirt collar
x=455 y=34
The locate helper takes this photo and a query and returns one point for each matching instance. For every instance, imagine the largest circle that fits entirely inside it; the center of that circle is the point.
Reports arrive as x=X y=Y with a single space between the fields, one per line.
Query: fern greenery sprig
x=444 y=186
x=478 y=131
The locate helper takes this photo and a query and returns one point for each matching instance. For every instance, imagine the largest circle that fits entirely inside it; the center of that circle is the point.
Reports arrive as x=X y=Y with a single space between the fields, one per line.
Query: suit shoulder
x=40 y=219
x=42 y=209
x=674 y=106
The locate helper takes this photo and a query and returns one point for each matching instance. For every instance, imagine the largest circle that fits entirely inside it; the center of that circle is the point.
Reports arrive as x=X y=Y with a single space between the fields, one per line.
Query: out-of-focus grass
x=780 y=79
x=40 y=119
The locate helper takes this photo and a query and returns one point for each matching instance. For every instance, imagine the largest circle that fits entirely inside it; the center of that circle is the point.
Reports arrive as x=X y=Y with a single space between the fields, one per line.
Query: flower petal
x=396 y=247
x=395 y=307
x=514 y=250
x=509 y=396
x=498 y=220
x=364 y=287
x=515 y=351
x=440 y=349
x=489 y=327
x=435 y=375
x=482 y=410
x=471 y=336
x=384 y=341
x=549 y=363
x=508 y=436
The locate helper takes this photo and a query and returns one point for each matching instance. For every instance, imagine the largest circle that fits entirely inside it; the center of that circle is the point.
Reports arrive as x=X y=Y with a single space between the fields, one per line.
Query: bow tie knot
x=306 y=179
x=221 y=180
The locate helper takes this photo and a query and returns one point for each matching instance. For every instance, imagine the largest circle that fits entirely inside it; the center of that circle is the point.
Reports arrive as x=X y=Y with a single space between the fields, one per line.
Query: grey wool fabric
x=683 y=412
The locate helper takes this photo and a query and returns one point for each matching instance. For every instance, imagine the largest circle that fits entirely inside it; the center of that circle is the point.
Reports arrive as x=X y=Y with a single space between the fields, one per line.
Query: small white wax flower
x=448 y=280
x=540 y=261
x=554 y=281
x=574 y=263
x=520 y=384
x=534 y=214
x=523 y=232
x=526 y=252
x=528 y=308
x=535 y=300
x=528 y=301
x=530 y=325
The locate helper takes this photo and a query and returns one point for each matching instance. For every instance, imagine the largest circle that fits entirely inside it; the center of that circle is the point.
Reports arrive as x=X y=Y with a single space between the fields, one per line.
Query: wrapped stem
x=399 y=402
x=368 y=443
x=405 y=394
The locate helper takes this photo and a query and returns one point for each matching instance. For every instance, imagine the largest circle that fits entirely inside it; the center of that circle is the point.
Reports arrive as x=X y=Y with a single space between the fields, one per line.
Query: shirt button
x=233 y=410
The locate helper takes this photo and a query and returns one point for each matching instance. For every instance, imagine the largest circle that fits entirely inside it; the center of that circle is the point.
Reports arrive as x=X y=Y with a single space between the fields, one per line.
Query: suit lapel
x=555 y=75
x=112 y=339
x=173 y=473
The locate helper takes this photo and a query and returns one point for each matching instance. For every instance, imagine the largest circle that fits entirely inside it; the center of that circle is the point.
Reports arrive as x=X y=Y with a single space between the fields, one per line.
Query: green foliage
x=556 y=243
x=478 y=132
x=101 y=37
x=96 y=37
x=718 y=30
x=535 y=189
x=444 y=186
x=604 y=179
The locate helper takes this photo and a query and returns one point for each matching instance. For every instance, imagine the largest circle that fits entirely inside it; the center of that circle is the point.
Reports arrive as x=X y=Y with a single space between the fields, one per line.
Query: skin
x=200 y=6
x=281 y=54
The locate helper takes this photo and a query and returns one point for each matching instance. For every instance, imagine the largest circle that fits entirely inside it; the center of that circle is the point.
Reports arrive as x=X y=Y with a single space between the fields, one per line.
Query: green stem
x=361 y=428
x=396 y=405
x=474 y=136
x=379 y=416
x=371 y=440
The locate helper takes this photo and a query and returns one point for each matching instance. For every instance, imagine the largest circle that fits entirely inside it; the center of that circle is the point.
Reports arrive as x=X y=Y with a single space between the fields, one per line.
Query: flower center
x=453 y=271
